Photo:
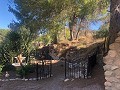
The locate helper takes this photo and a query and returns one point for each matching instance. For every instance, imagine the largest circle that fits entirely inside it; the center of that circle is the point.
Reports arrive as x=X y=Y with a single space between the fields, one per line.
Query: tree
x=16 y=42
x=44 y=14
x=114 y=19
x=3 y=33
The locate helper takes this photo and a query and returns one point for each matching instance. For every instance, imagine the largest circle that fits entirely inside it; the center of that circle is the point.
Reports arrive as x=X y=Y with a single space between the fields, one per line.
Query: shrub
x=26 y=70
x=8 y=67
x=101 y=33
x=1 y=67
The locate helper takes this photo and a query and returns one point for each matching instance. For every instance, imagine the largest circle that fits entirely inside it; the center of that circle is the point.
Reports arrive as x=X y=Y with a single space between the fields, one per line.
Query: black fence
x=75 y=69
x=81 y=67
x=44 y=69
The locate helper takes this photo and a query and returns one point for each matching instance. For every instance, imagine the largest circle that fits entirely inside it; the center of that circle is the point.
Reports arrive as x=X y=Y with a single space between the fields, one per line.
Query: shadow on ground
x=57 y=81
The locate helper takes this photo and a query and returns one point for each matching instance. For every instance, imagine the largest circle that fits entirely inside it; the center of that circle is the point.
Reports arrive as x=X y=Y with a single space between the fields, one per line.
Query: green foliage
x=45 y=39
x=1 y=67
x=67 y=33
x=103 y=31
x=26 y=70
x=45 y=15
x=3 y=33
x=8 y=67
x=5 y=53
x=16 y=42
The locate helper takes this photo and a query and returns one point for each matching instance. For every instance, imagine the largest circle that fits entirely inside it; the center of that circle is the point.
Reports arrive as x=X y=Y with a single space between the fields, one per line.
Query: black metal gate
x=82 y=67
x=44 y=69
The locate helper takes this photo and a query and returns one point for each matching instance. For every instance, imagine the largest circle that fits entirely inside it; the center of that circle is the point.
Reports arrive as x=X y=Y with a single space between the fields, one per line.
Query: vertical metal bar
x=45 y=68
x=86 y=67
x=50 y=68
x=79 y=69
x=72 y=69
x=40 y=70
x=37 y=71
x=69 y=70
x=65 y=69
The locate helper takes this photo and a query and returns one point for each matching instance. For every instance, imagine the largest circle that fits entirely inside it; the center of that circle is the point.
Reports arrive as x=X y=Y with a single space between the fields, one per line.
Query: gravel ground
x=57 y=82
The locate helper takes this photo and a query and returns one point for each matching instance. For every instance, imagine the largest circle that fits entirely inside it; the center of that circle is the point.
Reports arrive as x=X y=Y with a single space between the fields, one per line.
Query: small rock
x=66 y=80
x=12 y=79
x=72 y=80
x=30 y=79
x=23 y=79
x=26 y=79
x=3 y=80
x=6 y=79
x=17 y=78
x=34 y=79
x=7 y=74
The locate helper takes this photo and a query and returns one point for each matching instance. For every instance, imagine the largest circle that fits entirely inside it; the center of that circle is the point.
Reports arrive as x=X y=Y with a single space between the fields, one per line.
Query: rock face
x=112 y=67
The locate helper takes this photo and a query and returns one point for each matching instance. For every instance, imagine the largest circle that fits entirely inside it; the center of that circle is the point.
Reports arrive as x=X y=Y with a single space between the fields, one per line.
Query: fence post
x=65 y=68
x=50 y=67
x=37 y=71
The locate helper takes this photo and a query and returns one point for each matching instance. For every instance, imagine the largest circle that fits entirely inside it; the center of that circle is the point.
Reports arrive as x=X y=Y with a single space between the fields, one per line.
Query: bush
x=1 y=67
x=101 y=33
x=8 y=67
x=24 y=71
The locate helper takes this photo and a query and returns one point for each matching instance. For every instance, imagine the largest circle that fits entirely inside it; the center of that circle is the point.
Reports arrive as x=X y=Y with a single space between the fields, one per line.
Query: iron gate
x=44 y=69
x=81 y=68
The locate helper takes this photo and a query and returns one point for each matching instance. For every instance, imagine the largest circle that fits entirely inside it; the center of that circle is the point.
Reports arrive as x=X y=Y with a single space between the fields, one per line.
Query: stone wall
x=112 y=67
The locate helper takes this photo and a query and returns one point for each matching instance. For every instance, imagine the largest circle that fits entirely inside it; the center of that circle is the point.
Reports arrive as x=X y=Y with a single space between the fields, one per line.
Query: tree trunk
x=79 y=28
x=71 y=25
x=114 y=20
x=71 y=31
x=77 y=34
x=55 y=39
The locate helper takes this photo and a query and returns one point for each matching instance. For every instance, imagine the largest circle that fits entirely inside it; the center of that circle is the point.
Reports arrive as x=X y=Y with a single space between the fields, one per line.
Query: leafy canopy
x=41 y=14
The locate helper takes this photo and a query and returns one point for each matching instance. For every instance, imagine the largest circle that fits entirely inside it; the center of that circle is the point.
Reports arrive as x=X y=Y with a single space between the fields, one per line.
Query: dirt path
x=57 y=82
